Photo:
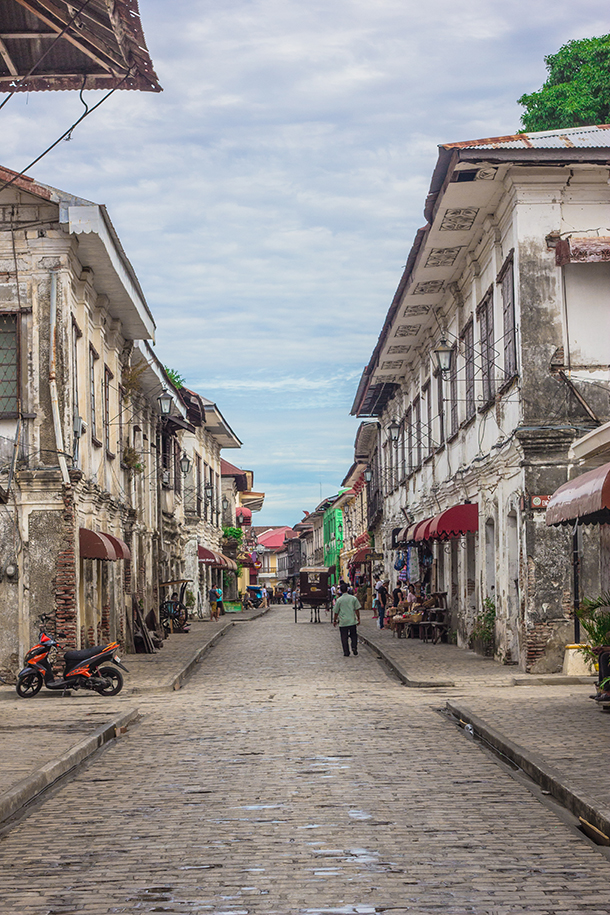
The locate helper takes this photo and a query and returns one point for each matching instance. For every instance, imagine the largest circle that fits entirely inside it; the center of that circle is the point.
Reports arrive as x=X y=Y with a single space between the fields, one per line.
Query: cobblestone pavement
x=285 y=778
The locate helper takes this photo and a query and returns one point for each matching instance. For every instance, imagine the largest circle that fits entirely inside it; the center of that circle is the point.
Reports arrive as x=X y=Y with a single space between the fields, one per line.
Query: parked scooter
x=82 y=669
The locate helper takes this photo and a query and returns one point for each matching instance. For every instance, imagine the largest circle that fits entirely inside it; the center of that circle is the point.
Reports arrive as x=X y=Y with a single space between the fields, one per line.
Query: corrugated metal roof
x=594 y=136
x=103 y=48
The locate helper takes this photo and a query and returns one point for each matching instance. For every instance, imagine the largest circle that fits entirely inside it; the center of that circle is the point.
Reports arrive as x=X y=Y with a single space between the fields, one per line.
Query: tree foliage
x=577 y=90
x=175 y=377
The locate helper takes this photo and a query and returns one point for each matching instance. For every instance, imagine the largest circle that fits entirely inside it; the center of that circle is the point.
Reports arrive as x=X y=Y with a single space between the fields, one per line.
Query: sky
x=268 y=198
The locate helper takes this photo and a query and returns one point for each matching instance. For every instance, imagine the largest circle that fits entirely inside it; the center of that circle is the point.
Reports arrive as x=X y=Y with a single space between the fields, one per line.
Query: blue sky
x=269 y=196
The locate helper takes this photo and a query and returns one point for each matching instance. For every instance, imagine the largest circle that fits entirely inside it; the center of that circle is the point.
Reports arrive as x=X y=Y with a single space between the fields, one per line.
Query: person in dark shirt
x=382 y=595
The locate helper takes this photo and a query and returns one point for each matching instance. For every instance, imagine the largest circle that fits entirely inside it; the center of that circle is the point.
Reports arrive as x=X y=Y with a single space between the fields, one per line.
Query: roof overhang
x=217 y=425
x=153 y=379
x=595 y=445
x=103 y=47
x=99 y=249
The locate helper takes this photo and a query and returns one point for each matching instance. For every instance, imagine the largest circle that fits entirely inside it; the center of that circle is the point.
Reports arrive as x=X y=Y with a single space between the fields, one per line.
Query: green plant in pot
x=594 y=616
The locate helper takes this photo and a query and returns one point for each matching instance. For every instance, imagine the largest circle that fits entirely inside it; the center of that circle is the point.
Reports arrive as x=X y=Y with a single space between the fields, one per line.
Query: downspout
x=59 y=442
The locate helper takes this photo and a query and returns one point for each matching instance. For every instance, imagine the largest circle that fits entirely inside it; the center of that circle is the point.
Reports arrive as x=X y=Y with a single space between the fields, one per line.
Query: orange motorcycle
x=83 y=669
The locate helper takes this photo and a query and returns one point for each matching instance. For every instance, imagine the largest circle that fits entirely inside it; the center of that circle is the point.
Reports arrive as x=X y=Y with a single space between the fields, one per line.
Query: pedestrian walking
x=213 y=598
x=264 y=593
x=219 y=607
x=347 y=616
x=382 y=602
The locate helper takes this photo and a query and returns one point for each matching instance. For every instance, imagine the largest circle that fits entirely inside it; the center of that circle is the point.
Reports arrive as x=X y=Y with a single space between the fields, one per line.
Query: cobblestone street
x=285 y=778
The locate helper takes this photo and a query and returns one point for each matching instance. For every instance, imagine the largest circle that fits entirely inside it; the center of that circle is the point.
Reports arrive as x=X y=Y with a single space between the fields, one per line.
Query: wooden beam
x=6 y=57
x=85 y=33
x=77 y=44
x=28 y=34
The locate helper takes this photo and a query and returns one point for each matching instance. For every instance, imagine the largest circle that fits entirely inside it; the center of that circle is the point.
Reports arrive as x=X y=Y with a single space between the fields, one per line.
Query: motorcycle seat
x=83 y=653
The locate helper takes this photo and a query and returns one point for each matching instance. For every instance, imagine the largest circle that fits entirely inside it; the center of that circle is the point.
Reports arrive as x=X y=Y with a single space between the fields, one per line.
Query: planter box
x=484 y=648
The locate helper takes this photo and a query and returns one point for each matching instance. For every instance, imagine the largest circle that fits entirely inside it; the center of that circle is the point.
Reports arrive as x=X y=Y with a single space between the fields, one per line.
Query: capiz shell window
x=9 y=365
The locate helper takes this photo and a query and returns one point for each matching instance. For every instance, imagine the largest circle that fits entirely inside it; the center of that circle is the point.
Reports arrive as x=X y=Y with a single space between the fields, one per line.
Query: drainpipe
x=59 y=442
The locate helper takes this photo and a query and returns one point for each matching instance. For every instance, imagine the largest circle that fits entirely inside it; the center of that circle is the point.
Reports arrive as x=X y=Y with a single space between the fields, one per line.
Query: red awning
x=215 y=560
x=246 y=512
x=210 y=557
x=586 y=497
x=409 y=532
x=94 y=545
x=455 y=521
x=422 y=529
x=121 y=548
x=361 y=556
x=402 y=535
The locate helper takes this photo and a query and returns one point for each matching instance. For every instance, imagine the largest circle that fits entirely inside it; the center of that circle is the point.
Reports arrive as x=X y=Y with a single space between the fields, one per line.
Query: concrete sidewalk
x=43 y=738
x=547 y=726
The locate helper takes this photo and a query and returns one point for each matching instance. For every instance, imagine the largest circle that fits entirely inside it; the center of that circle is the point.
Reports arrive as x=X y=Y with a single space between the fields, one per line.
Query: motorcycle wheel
x=111 y=673
x=29 y=684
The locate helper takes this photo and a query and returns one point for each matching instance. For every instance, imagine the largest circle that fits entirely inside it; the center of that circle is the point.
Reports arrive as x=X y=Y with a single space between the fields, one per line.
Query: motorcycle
x=83 y=669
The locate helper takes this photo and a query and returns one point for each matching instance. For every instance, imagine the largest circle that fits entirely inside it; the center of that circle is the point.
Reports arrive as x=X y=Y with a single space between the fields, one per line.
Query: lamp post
x=394 y=430
x=185 y=463
x=165 y=401
x=444 y=356
x=368 y=475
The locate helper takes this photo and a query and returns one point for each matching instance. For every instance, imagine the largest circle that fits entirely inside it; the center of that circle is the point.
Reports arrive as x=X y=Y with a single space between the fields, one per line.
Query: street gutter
x=544 y=775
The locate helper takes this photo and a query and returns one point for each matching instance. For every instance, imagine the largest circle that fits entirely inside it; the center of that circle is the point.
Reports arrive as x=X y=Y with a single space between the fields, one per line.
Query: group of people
x=402 y=600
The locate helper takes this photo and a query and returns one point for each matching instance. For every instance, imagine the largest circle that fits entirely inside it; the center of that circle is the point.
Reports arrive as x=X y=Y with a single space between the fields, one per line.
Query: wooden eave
x=103 y=48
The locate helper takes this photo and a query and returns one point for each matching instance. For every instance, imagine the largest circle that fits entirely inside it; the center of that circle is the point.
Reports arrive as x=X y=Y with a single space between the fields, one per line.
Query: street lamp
x=394 y=430
x=165 y=401
x=225 y=503
x=185 y=463
x=240 y=517
x=444 y=356
x=208 y=489
x=368 y=475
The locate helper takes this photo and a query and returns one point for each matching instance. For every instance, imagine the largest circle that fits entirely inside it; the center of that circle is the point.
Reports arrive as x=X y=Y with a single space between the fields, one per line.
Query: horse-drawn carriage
x=314 y=589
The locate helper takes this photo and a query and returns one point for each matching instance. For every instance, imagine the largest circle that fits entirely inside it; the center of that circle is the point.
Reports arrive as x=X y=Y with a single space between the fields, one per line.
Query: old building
x=491 y=361
x=110 y=476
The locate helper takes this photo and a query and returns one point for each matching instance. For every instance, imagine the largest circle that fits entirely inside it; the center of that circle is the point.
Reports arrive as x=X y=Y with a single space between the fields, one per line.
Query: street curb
x=543 y=774
x=174 y=680
x=34 y=784
x=414 y=684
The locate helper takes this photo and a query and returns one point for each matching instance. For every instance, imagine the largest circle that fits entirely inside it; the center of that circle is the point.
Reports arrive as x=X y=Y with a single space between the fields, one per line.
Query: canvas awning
x=586 y=498
x=210 y=557
x=96 y=545
x=361 y=555
x=422 y=529
x=455 y=521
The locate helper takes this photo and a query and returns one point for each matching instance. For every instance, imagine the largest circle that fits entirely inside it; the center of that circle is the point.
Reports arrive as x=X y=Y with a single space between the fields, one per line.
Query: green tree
x=175 y=377
x=577 y=91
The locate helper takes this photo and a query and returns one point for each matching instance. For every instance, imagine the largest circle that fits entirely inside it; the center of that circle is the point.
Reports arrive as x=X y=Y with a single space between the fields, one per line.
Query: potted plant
x=483 y=635
x=594 y=616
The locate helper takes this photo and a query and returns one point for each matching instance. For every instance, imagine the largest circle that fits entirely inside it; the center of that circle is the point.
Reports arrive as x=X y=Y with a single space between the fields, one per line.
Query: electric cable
x=47 y=52
x=67 y=132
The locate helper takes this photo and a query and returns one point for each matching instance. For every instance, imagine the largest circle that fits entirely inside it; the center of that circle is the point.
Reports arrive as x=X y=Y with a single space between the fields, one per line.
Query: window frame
x=467 y=338
x=506 y=281
x=16 y=400
x=485 y=317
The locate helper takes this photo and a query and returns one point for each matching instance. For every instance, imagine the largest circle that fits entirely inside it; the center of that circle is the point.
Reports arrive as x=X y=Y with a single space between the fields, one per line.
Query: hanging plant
x=132 y=459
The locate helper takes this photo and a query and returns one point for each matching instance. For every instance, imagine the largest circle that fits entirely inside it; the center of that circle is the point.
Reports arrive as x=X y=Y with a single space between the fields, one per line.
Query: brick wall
x=64 y=582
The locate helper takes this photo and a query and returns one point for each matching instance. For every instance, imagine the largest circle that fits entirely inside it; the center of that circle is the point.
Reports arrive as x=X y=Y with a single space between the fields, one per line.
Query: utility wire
x=67 y=132
x=47 y=52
